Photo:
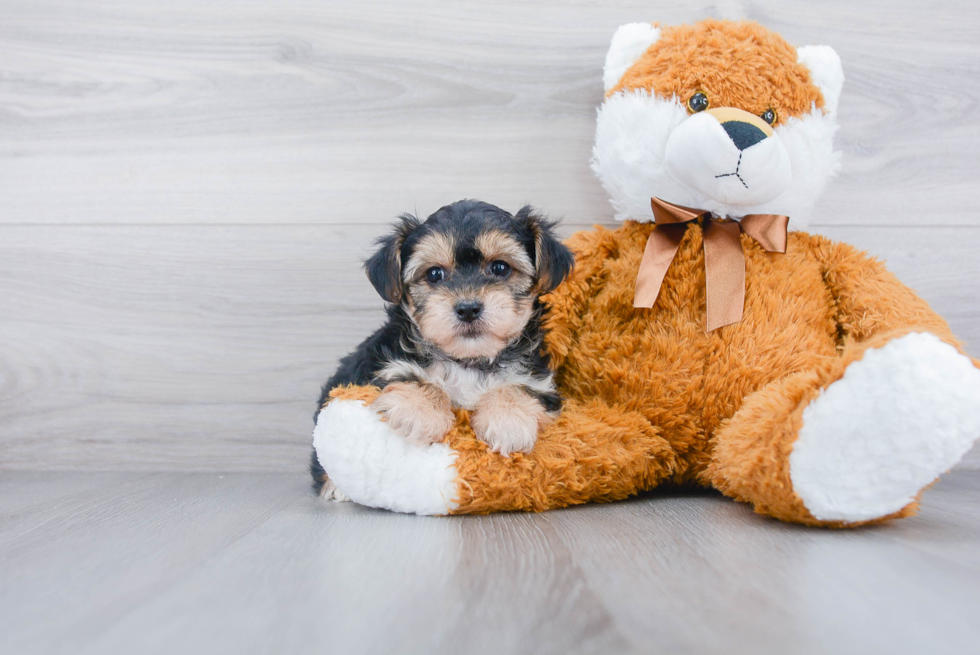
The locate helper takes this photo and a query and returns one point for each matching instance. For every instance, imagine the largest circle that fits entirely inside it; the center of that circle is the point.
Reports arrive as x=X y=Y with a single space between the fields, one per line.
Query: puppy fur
x=463 y=327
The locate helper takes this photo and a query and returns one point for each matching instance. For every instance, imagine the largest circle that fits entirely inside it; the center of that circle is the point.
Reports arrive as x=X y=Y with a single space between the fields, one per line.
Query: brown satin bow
x=724 y=261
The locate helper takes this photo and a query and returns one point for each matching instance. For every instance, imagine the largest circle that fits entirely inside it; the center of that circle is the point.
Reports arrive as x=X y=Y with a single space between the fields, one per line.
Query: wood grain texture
x=203 y=347
x=186 y=189
x=233 y=563
x=296 y=112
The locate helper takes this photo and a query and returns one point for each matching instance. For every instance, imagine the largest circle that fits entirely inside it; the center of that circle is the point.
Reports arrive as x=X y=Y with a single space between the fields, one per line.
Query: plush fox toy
x=698 y=343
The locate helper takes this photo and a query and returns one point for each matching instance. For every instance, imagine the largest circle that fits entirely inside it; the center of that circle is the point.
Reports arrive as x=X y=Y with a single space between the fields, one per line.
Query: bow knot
x=724 y=261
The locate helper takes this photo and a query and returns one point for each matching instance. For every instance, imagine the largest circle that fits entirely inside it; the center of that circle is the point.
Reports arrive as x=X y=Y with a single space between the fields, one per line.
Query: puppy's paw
x=507 y=419
x=329 y=491
x=421 y=413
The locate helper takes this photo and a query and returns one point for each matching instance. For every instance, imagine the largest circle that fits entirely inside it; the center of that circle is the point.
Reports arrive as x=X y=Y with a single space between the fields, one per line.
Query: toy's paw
x=421 y=413
x=508 y=419
x=898 y=418
x=373 y=466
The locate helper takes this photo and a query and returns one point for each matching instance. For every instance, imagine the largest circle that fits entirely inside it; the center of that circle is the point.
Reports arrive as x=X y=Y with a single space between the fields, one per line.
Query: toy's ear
x=826 y=71
x=628 y=44
x=384 y=267
x=552 y=260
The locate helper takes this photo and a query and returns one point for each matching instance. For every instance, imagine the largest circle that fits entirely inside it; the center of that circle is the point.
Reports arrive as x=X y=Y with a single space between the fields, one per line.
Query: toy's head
x=721 y=116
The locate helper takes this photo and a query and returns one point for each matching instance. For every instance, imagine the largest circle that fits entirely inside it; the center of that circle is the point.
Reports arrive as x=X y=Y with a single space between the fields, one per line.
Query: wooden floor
x=253 y=563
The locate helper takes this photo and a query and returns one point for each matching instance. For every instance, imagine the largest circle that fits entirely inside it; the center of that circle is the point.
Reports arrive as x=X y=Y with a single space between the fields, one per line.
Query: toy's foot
x=372 y=465
x=898 y=418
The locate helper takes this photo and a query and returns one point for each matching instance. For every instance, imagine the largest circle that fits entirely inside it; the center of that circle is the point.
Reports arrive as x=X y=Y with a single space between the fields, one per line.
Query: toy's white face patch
x=733 y=162
x=651 y=146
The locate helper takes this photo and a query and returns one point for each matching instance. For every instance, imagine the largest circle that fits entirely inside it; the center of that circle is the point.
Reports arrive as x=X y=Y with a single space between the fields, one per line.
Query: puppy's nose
x=469 y=310
x=744 y=129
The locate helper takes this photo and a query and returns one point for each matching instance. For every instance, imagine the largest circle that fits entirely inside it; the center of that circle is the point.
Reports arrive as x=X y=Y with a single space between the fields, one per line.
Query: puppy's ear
x=384 y=267
x=552 y=260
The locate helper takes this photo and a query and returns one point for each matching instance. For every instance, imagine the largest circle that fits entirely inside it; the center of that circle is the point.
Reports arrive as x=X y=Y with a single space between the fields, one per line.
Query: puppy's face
x=470 y=290
x=469 y=275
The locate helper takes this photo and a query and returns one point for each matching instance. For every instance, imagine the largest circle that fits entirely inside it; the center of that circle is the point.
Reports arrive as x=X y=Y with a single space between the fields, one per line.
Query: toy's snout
x=730 y=156
x=744 y=129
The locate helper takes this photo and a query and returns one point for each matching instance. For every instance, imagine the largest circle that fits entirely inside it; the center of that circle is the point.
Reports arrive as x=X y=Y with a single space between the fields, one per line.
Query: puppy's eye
x=435 y=275
x=698 y=102
x=769 y=116
x=499 y=269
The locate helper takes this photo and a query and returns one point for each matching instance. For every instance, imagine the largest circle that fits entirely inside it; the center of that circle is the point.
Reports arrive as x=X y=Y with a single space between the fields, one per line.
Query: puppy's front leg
x=422 y=413
x=329 y=491
x=508 y=419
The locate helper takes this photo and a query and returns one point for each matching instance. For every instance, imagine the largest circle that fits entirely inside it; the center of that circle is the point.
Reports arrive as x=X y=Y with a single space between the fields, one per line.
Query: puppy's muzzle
x=468 y=310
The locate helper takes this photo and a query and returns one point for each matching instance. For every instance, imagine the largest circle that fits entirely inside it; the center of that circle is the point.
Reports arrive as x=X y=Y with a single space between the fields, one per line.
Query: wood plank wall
x=187 y=188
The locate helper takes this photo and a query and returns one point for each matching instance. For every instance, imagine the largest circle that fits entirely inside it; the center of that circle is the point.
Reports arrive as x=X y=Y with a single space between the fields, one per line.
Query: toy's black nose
x=743 y=135
x=469 y=310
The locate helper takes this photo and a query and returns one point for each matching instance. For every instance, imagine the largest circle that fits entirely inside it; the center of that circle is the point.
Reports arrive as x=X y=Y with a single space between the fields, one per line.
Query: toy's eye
x=435 y=275
x=698 y=102
x=769 y=116
x=499 y=269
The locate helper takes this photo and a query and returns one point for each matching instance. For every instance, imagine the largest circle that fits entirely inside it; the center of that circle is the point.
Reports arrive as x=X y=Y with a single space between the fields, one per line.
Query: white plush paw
x=372 y=465
x=898 y=418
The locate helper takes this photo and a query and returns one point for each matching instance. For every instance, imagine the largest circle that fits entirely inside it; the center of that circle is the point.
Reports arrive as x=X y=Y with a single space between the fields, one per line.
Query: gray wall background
x=187 y=189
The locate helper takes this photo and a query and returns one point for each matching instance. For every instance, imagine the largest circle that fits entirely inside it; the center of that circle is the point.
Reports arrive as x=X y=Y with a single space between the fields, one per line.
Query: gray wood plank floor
x=253 y=563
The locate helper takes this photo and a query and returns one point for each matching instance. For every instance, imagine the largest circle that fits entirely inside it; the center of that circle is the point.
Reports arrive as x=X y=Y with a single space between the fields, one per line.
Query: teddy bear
x=706 y=340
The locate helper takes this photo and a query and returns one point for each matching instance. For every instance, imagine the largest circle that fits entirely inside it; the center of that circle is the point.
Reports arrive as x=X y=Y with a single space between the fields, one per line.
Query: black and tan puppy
x=463 y=328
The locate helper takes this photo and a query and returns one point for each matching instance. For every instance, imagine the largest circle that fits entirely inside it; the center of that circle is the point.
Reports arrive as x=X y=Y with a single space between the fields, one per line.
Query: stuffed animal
x=698 y=343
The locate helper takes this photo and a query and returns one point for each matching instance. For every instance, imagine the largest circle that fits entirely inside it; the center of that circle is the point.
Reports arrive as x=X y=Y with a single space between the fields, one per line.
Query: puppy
x=463 y=328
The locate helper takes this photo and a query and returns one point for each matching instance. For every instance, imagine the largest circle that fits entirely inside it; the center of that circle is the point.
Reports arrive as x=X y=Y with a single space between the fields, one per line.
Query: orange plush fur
x=648 y=390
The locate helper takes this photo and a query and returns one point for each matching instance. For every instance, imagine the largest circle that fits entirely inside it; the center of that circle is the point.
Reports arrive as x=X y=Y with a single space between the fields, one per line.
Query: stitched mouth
x=735 y=173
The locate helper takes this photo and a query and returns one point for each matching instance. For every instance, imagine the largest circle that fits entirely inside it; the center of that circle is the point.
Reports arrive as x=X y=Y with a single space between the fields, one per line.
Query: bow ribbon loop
x=724 y=261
